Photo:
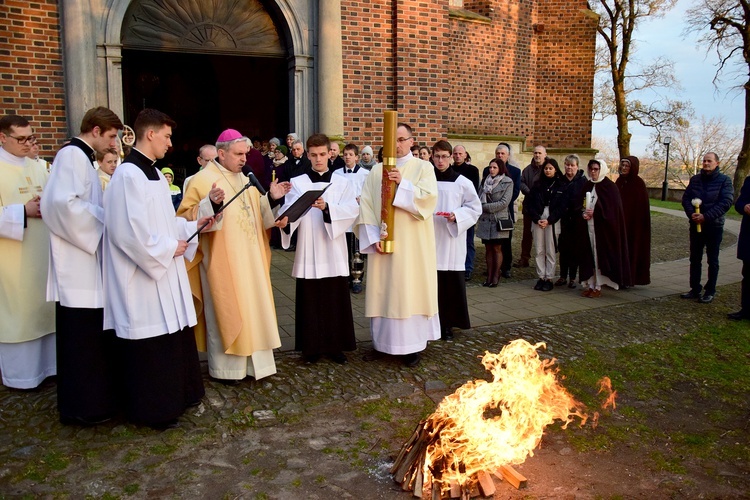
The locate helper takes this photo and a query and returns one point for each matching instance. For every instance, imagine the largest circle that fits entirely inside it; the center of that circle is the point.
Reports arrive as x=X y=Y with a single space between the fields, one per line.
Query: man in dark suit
x=297 y=163
x=742 y=205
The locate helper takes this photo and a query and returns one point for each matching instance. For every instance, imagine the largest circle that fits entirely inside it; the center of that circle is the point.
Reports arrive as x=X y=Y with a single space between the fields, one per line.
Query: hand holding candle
x=696 y=202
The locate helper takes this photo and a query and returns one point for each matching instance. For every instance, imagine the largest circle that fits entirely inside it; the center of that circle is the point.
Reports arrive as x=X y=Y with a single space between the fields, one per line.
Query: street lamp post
x=664 y=186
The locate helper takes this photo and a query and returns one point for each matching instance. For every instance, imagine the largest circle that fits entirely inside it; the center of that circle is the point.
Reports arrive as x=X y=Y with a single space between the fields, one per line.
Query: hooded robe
x=635 y=204
x=609 y=233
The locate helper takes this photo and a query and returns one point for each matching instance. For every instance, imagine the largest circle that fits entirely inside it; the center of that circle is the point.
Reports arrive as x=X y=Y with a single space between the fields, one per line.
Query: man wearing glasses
x=401 y=299
x=27 y=320
x=207 y=153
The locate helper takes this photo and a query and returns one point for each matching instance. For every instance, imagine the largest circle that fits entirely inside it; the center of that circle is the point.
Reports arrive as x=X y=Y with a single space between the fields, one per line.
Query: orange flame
x=485 y=425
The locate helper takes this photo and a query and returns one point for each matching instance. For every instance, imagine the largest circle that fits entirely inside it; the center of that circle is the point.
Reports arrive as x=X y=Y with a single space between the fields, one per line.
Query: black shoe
x=372 y=355
x=539 y=284
x=706 y=299
x=447 y=334
x=85 y=421
x=311 y=358
x=738 y=316
x=505 y=274
x=547 y=286
x=572 y=284
x=692 y=294
x=486 y=283
x=411 y=360
x=561 y=282
x=339 y=358
x=163 y=426
x=493 y=285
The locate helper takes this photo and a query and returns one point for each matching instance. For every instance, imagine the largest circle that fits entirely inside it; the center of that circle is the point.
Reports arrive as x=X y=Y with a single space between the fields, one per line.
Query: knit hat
x=229 y=134
x=284 y=150
x=366 y=149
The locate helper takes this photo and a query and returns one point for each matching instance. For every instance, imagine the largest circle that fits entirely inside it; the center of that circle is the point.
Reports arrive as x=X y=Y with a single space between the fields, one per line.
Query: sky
x=695 y=69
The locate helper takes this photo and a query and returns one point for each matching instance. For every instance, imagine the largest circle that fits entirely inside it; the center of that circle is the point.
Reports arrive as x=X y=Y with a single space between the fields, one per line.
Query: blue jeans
x=710 y=239
x=470 y=250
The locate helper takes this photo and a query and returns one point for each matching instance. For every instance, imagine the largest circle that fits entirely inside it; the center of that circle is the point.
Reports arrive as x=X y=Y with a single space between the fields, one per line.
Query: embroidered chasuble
x=24 y=312
x=237 y=260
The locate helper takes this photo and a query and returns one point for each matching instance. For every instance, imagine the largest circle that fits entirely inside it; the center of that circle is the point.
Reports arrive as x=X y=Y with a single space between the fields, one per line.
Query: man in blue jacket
x=742 y=205
x=714 y=190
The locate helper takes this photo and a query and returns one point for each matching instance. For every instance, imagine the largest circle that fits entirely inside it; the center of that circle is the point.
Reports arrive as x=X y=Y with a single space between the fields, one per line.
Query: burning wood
x=485 y=427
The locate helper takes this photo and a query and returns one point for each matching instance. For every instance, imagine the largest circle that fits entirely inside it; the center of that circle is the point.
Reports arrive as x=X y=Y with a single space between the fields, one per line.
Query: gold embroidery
x=23 y=190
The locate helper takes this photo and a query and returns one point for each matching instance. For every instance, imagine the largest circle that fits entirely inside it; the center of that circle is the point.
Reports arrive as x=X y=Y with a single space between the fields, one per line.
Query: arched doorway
x=210 y=65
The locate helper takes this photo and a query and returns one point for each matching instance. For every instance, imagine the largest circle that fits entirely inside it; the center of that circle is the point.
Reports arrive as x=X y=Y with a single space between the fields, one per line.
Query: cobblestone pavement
x=322 y=430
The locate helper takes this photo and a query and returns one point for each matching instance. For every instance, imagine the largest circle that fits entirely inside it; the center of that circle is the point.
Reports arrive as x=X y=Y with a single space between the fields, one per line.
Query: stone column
x=79 y=61
x=330 y=72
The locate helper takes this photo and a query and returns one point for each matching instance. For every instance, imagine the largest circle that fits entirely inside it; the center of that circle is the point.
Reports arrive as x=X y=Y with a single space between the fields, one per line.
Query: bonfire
x=487 y=427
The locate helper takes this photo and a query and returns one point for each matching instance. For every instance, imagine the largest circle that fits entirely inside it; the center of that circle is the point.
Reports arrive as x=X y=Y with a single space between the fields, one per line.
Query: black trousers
x=87 y=364
x=709 y=238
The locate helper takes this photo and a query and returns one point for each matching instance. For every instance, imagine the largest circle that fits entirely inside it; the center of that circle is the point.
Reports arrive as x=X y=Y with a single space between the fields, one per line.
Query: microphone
x=253 y=180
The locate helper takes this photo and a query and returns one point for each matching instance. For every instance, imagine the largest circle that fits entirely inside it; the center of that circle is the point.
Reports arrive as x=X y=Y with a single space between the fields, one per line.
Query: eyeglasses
x=403 y=139
x=24 y=140
x=441 y=157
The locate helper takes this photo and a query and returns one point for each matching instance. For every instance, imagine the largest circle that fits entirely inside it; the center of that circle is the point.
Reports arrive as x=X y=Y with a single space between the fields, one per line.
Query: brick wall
x=566 y=40
x=492 y=78
x=383 y=43
x=31 y=69
x=525 y=70
x=368 y=67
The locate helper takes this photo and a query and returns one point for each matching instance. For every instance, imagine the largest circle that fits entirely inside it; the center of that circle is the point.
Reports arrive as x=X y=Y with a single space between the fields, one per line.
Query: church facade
x=473 y=71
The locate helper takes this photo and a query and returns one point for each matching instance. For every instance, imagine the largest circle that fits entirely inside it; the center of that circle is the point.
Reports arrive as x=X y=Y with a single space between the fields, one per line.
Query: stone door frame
x=92 y=58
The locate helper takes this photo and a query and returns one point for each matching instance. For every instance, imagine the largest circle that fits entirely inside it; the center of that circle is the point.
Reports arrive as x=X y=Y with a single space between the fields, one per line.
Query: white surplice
x=73 y=212
x=460 y=198
x=356 y=179
x=147 y=292
x=321 y=248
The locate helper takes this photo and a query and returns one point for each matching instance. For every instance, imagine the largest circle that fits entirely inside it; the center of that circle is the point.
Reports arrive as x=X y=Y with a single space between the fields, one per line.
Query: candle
x=696 y=202
x=588 y=200
x=388 y=187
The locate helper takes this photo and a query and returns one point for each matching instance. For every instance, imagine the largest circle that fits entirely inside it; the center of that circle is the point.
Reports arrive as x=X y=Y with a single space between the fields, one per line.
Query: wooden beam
x=512 y=476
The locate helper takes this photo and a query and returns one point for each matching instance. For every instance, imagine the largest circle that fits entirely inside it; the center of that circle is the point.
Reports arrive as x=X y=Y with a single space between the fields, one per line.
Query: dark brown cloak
x=634 y=196
x=611 y=239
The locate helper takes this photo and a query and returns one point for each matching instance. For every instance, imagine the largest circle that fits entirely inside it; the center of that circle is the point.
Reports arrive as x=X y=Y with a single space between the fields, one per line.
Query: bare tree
x=725 y=25
x=692 y=140
x=632 y=93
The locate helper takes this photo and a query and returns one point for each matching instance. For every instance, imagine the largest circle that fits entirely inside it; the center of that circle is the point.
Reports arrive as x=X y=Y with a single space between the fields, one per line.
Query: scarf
x=276 y=162
x=490 y=183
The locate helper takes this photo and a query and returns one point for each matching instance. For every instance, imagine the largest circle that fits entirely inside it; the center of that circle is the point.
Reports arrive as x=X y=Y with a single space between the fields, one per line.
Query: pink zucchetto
x=229 y=134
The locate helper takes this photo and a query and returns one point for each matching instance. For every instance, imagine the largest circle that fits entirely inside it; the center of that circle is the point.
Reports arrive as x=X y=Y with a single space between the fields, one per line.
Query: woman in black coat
x=546 y=204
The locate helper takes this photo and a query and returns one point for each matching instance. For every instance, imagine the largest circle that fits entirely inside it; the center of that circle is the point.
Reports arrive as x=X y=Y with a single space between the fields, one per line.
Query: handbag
x=504 y=225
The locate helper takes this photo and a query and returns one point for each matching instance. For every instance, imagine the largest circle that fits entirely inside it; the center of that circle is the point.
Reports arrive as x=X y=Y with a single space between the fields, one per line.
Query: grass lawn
x=732 y=214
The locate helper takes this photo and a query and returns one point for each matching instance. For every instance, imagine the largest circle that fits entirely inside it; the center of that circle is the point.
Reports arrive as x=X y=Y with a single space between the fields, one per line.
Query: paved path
x=516 y=301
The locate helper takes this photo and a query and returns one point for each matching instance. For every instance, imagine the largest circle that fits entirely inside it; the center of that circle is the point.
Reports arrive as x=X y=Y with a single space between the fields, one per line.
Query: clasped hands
x=32 y=207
